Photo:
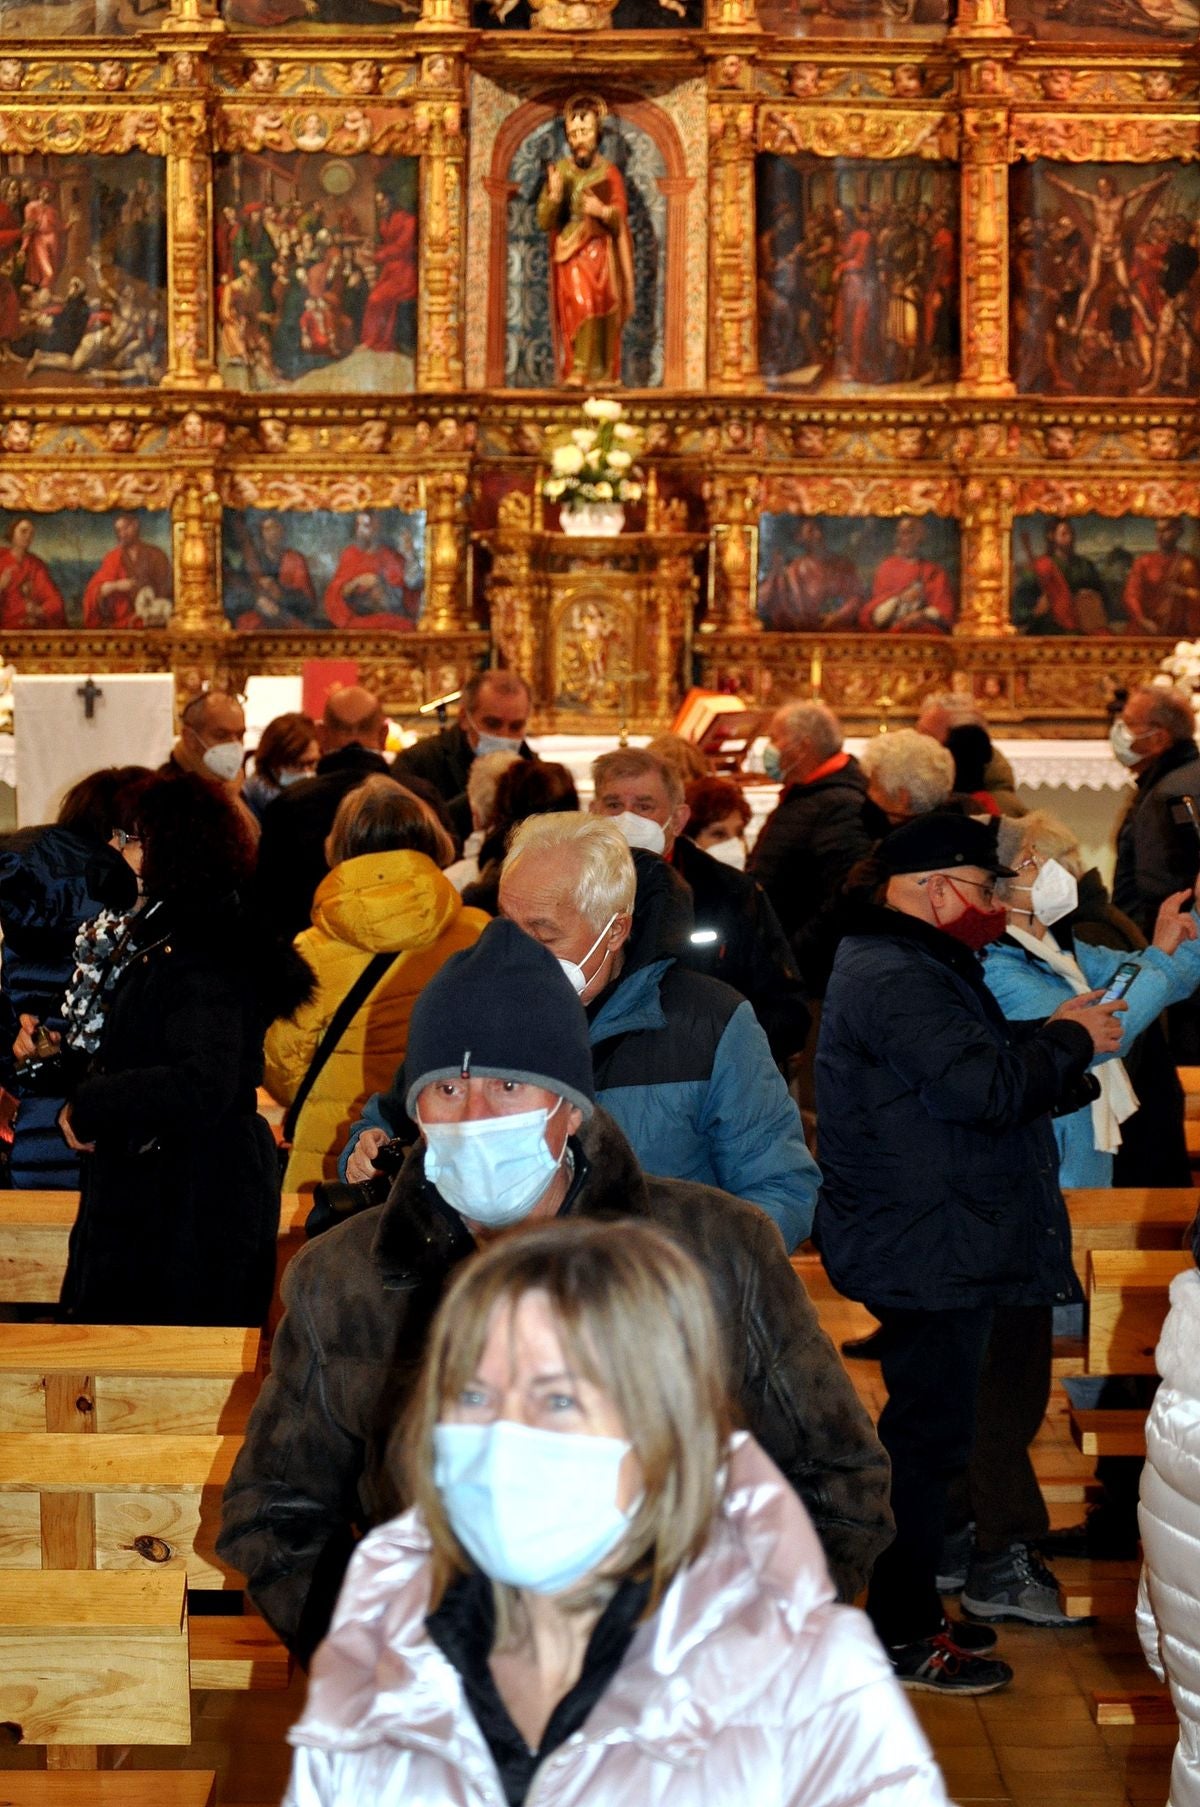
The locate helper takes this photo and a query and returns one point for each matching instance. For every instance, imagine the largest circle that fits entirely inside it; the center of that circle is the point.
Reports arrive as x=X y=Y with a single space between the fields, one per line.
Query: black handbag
x=339 y=1022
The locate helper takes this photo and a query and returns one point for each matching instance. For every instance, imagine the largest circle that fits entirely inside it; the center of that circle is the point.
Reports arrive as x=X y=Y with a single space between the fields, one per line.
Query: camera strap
x=339 y=1022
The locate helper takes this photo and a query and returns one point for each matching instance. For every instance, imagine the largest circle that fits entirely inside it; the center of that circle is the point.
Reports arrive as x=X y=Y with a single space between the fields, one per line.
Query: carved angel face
x=810 y=442
x=18 y=436
x=12 y=72
x=118 y=436
x=1056 y=84
x=1158 y=84
x=907 y=80
x=1163 y=442
x=183 y=67
x=262 y=75
x=803 y=78
x=990 y=78
x=191 y=430
x=364 y=76
x=273 y=434
x=730 y=70
x=1060 y=442
x=111 y=75
x=910 y=442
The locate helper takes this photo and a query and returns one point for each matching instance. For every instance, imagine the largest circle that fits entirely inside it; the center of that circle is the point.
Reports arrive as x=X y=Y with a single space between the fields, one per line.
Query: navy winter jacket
x=940 y=1167
x=52 y=880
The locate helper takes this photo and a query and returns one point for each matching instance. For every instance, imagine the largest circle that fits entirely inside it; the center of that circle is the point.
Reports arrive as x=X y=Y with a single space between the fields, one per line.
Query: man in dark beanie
x=499 y=1080
x=940 y=1200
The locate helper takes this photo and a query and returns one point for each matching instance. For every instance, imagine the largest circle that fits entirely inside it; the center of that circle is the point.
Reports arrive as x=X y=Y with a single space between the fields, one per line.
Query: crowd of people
x=555 y=1475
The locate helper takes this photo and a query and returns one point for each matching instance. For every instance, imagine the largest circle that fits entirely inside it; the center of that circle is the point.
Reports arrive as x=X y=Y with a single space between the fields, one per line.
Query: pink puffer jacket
x=748 y=1686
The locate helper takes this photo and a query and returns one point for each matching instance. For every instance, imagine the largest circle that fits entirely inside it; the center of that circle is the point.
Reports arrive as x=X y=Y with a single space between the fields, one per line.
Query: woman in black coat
x=52 y=880
x=180 y=1206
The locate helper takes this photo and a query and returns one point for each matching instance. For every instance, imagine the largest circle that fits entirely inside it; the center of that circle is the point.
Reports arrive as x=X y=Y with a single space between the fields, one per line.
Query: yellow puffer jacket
x=378 y=903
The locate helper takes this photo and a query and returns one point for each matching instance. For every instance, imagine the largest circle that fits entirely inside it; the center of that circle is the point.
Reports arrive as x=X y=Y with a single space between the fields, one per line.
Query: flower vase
x=593 y=520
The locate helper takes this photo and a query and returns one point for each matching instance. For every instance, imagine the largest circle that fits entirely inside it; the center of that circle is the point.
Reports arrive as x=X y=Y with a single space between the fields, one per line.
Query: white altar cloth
x=55 y=745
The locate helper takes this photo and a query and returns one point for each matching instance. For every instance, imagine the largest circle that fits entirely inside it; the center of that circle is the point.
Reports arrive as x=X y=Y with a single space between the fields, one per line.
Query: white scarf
x=1117 y=1099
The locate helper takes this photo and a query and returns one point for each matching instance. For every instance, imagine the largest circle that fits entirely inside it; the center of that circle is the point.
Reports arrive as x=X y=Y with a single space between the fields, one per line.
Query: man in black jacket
x=291 y=853
x=736 y=936
x=816 y=831
x=492 y=718
x=499 y=1031
x=940 y=1199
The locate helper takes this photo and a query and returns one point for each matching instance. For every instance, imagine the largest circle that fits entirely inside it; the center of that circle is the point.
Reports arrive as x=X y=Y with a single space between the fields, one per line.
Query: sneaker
x=936 y=1666
x=971 y=1639
x=1015 y=1585
x=955 y=1560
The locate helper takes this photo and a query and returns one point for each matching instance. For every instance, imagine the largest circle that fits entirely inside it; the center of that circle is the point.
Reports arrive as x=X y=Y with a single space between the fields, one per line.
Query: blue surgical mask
x=492 y=1170
x=532 y=1508
x=773 y=763
x=495 y=743
x=289 y=778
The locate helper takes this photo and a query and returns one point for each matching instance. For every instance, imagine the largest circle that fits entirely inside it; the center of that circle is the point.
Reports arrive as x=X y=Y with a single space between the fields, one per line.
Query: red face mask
x=975 y=928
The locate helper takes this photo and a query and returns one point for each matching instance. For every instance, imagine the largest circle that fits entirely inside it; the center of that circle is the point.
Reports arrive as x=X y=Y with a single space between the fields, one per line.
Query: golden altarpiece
x=905 y=301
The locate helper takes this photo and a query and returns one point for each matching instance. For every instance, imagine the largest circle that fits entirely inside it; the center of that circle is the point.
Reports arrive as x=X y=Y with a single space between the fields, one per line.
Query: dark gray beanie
x=503 y=1009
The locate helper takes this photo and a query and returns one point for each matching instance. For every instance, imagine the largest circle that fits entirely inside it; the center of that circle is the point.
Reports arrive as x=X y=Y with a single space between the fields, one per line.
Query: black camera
x=335 y=1200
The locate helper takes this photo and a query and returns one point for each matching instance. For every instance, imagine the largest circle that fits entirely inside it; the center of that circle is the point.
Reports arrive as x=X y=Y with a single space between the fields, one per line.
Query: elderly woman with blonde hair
x=600 y=1595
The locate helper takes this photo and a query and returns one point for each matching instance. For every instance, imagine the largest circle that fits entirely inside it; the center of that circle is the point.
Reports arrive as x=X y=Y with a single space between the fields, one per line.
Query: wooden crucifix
x=90 y=692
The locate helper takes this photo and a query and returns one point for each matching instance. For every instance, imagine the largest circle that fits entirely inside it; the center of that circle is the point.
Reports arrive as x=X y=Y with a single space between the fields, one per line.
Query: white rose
x=631 y=492
x=594 y=460
x=1182 y=649
x=567 y=460
x=620 y=461
x=597 y=409
x=554 y=487
x=624 y=431
x=604 y=492
x=584 y=437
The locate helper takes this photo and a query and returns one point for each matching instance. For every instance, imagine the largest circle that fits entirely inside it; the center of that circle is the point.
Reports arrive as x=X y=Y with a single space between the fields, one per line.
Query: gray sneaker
x=955 y=1560
x=1015 y=1585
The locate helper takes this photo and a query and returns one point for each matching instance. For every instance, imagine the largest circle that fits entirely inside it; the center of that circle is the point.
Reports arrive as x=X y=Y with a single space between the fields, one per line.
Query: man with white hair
x=680 y=1060
x=487 y=769
x=907 y=774
x=942 y=710
x=816 y=831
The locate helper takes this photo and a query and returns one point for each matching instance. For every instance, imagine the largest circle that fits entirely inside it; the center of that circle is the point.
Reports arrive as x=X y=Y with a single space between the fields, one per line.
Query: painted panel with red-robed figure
x=585 y=209
x=133 y=584
x=29 y=596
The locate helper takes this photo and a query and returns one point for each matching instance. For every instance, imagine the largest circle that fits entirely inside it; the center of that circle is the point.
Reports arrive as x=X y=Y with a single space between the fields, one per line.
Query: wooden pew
x=84 y=1657
x=121 y=1502
x=1128 y=1217
x=108 y=1788
x=1127 y=1303
x=110 y=1379
x=35 y=1226
x=1189 y=1079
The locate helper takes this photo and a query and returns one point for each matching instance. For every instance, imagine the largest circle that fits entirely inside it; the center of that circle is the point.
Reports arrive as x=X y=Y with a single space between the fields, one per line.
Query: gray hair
x=904 y=760
x=605 y=882
x=961 y=711
x=639 y=762
x=1038 y=832
x=814 y=723
x=487 y=769
x=1170 y=710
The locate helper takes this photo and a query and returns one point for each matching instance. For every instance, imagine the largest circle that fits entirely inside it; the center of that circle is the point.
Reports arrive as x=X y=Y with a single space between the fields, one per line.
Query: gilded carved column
x=191 y=359
x=446 y=15
x=984 y=229
x=448 y=605
x=443 y=230
x=197 y=556
x=733 y=353
x=733 y=15
x=733 y=506
x=986 y=518
x=510 y=586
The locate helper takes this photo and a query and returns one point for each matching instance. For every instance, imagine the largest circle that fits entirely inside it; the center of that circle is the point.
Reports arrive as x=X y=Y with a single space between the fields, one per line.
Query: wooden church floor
x=1034 y=1745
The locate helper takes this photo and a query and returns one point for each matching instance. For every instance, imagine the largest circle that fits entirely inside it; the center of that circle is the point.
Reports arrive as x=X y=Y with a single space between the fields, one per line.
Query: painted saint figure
x=1061 y=591
x=29 y=596
x=816 y=588
x=132 y=586
x=910 y=594
x=1162 y=591
x=389 y=319
x=276 y=588
x=375 y=586
x=585 y=210
x=1108 y=208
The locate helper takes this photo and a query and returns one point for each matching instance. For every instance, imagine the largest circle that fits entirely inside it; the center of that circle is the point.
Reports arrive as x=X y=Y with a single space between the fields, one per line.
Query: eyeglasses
x=985 y=886
x=124 y=838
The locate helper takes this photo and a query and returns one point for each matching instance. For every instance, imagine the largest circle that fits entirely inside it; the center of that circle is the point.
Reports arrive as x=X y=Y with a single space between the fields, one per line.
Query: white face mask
x=224 y=761
x=641 y=831
x=534 y=1509
x=492 y=1170
x=1053 y=894
x=574 y=969
x=289 y=778
x=731 y=852
x=1122 y=743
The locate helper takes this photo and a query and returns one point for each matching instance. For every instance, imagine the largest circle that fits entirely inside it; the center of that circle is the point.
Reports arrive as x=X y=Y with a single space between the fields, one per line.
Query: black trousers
x=932 y=1362
x=998 y=1488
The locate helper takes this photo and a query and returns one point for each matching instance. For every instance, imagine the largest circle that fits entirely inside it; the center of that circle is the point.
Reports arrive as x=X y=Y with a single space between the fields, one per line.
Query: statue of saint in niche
x=585 y=210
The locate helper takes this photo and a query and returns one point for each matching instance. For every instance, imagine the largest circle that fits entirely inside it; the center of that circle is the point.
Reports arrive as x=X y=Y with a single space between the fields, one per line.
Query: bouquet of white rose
x=595 y=463
x=1182 y=668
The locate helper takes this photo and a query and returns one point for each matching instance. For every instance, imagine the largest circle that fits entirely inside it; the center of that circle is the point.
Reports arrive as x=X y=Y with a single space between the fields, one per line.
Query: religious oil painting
x=856 y=18
x=76 y=569
x=316 y=260
x=83 y=271
x=842 y=574
x=857 y=273
x=1089 y=574
x=321 y=569
x=1148 y=23
x=1105 y=277
x=78 y=18
x=583 y=15
x=586 y=253
x=297 y=15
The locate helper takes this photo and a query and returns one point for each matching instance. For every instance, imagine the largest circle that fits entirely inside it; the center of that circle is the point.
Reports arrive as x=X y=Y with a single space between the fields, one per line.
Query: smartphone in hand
x=1121 y=980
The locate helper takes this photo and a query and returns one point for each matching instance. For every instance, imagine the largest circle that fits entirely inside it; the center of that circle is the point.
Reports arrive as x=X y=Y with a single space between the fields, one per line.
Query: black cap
x=938 y=842
x=503 y=1009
